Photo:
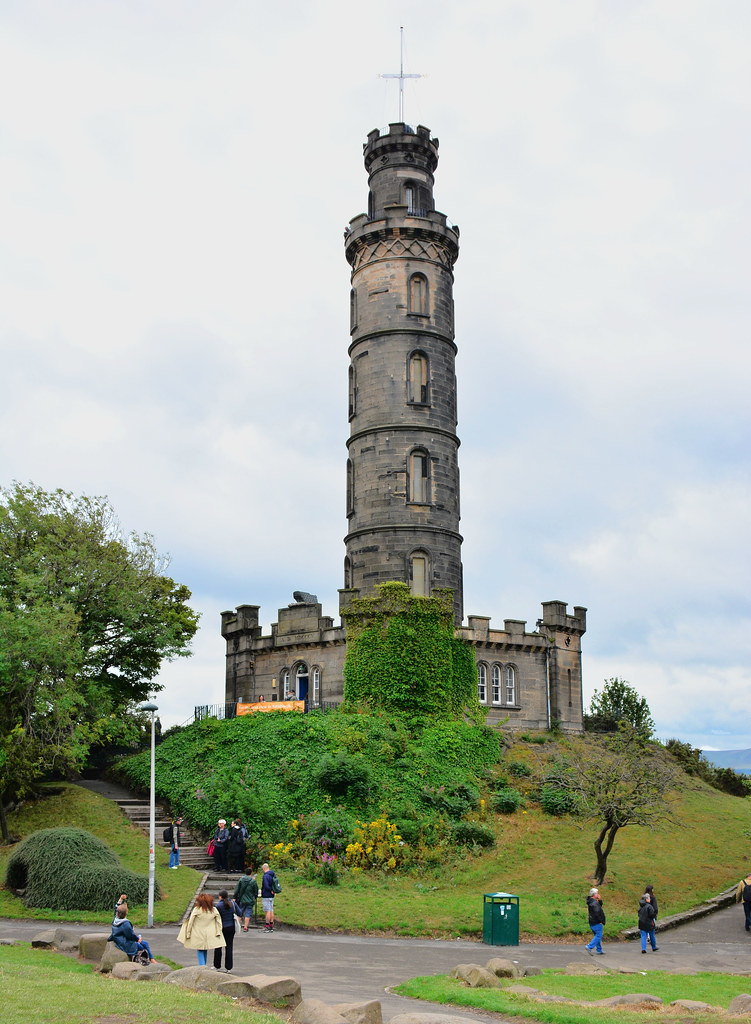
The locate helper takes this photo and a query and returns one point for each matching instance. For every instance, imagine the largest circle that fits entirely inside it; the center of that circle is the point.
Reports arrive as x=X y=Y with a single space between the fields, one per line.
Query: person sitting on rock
x=125 y=938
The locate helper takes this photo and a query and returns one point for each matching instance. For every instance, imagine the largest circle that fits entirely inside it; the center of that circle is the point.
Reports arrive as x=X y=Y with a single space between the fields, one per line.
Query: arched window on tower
x=352 y=392
x=418 y=294
x=482 y=683
x=350 y=488
x=419 y=573
x=495 y=683
x=418 y=392
x=510 y=684
x=347 y=573
x=418 y=484
x=352 y=309
x=371 y=206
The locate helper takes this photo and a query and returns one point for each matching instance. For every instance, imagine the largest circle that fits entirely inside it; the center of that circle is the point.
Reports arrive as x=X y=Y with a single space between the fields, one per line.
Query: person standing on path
x=596 y=922
x=174 y=854
x=246 y=894
x=743 y=893
x=226 y=909
x=268 y=891
x=647 y=923
x=202 y=931
x=221 y=839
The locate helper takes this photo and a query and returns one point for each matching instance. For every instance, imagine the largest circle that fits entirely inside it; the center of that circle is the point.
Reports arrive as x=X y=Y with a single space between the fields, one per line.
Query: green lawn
x=39 y=985
x=716 y=989
x=97 y=814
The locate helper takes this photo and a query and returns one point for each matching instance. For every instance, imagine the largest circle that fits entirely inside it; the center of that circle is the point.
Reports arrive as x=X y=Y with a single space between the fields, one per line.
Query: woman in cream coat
x=203 y=929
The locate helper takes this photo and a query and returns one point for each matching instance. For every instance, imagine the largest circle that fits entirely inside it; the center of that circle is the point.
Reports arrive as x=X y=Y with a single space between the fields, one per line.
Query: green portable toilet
x=500 y=919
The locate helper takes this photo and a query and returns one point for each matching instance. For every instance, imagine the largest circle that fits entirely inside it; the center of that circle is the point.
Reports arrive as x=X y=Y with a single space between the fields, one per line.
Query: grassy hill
x=547 y=861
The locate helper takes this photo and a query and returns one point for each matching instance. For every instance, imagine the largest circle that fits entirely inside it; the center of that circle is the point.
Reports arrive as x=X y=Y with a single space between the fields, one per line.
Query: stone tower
x=402 y=465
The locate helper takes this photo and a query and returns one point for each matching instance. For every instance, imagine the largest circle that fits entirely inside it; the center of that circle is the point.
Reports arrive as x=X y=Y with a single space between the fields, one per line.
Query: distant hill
x=738 y=760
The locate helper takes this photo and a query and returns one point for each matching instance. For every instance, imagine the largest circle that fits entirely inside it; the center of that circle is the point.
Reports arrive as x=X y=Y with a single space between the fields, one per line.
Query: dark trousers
x=747 y=912
x=220 y=857
x=229 y=938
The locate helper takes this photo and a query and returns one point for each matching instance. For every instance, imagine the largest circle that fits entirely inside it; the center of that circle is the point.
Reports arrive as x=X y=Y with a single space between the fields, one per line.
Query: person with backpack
x=246 y=894
x=596 y=922
x=171 y=835
x=647 y=917
x=270 y=886
x=126 y=939
x=743 y=894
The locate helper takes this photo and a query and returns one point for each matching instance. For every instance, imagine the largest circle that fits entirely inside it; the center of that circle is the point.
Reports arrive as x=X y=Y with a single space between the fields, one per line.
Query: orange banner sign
x=271 y=705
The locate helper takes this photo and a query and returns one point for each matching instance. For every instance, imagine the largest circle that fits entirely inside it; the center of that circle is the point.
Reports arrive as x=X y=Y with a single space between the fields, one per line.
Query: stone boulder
x=694 y=1005
x=523 y=990
x=9 y=942
x=200 y=979
x=111 y=956
x=56 y=938
x=126 y=970
x=504 y=968
x=478 y=977
x=266 y=988
x=315 y=1011
x=741 y=1004
x=91 y=945
x=630 y=999
x=360 y=1013
x=152 y=972
x=587 y=968
x=461 y=971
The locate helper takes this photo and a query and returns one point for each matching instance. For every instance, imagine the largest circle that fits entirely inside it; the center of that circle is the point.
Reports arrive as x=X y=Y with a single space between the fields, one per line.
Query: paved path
x=349 y=968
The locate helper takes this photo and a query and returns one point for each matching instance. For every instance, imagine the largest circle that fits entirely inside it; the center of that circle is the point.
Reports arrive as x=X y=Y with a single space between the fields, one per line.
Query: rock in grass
x=504 y=968
x=91 y=945
x=269 y=988
x=461 y=970
x=360 y=1013
x=125 y=970
x=416 y=1017
x=585 y=969
x=741 y=1004
x=695 y=1005
x=200 y=979
x=315 y=1011
x=111 y=956
x=56 y=938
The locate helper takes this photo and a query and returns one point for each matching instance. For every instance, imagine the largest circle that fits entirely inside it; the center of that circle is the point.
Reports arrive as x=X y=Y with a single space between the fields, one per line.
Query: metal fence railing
x=229 y=710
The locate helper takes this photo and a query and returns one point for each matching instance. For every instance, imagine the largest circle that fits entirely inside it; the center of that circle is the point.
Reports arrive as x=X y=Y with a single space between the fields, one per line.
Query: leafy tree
x=619 y=702
x=626 y=783
x=87 y=617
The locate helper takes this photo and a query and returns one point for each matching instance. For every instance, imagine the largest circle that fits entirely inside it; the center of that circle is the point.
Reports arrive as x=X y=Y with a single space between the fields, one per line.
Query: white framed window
x=316 y=686
x=285 y=685
x=482 y=683
x=510 y=684
x=495 y=683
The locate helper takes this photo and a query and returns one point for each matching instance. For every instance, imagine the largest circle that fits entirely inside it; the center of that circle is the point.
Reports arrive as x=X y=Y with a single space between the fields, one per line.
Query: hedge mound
x=70 y=869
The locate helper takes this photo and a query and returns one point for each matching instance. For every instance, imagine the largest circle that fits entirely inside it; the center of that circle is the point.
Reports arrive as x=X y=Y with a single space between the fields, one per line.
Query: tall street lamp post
x=152 y=809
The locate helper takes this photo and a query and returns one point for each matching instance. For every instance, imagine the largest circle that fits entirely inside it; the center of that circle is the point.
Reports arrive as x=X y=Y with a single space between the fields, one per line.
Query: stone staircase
x=192 y=850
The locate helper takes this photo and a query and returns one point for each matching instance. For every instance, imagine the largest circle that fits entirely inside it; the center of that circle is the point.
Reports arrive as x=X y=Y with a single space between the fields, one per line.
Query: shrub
x=467 y=833
x=328 y=832
x=70 y=869
x=507 y=800
x=519 y=770
x=343 y=774
x=376 y=844
x=557 y=801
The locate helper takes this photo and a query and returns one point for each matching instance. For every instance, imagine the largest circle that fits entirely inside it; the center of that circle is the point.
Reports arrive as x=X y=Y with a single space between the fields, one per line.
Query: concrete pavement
x=350 y=968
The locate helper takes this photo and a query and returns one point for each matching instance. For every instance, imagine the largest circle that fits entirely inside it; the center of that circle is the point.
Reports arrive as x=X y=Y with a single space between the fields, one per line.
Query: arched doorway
x=302 y=678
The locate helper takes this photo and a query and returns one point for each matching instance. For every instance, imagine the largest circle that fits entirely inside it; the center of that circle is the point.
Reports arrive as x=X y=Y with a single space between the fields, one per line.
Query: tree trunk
x=3 y=822
x=602 y=854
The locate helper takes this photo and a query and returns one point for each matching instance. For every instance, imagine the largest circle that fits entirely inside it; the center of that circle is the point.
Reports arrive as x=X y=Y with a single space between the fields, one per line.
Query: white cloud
x=174 y=317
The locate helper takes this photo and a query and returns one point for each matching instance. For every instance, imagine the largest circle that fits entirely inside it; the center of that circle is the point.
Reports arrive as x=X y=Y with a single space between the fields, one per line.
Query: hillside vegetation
x=427 y=800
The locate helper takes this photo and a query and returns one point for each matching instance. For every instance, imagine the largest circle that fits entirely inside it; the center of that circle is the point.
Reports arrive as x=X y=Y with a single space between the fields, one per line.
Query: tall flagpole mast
x=401 y=76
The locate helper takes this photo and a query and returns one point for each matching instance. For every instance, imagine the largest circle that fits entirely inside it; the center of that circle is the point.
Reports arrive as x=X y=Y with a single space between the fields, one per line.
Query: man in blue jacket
x=124 y=937
x=268 y=891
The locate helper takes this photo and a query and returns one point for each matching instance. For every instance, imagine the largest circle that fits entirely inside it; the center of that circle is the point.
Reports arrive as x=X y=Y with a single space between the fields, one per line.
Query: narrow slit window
x=495 y=680
x=418 y=294
x=419 y=574
x=419 y=482
x=418 y=378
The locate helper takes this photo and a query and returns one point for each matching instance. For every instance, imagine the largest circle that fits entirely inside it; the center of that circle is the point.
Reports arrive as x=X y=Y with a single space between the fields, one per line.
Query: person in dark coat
x=647 y=917
x=246 y=894
x=596 y=922
x=236 y=849
x=221 y=839
x=226 y=908
x=123 y=935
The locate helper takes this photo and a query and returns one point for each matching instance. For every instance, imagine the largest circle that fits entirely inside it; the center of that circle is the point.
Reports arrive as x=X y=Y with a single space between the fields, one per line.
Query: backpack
x=141 y=957
x=276 y=885
x=167 y=834
x=746 y=892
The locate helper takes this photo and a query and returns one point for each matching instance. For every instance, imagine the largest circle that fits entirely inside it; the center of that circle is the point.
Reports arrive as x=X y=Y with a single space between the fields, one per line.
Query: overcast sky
x=174 y=317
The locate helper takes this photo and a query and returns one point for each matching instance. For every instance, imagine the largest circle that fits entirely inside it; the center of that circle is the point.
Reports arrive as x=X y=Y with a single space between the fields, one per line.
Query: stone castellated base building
x=403 y=469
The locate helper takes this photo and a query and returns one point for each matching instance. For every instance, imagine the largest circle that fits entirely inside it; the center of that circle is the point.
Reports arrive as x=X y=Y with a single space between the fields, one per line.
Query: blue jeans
x=174 y=858
x=143 y=944
x=650 y=936
x=596 y=942
x=202 y=957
